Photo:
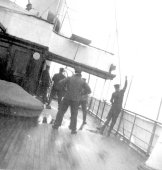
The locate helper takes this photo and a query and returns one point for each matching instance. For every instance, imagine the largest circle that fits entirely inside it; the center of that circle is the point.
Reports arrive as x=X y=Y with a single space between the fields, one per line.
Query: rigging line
x=95 y=87
x=108 y=88
x=103 y=88
x=63 y=19
x=63 y=15
x=125 y=105
x=159 y=110
x=128 y=92
x=68 y=17
x=117 y=39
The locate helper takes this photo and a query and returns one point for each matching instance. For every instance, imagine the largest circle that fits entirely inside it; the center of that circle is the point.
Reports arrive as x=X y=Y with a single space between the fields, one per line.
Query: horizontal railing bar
x=143 y=128
x=140 y=139
x=127 y=120
x=143 y=116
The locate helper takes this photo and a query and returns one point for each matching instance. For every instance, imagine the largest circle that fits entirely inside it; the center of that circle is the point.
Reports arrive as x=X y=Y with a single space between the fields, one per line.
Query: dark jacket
x=117 y=97
x=56 y=78
x=75 y=85
x=46 y=78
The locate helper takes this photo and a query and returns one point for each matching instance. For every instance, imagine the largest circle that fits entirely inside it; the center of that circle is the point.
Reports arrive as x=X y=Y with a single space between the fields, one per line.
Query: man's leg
x=114 y=118
x=59 y=117
x=49 y=100
x=44 y=89
x=53 y=93
x=84 y=110
x=74 y=112
x=60 y=96
x=109 y=117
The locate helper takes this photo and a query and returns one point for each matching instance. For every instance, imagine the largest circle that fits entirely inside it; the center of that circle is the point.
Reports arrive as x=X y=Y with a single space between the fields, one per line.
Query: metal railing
x=138 y=131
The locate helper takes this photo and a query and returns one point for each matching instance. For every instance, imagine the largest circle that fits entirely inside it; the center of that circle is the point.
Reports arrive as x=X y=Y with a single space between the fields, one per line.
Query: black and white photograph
x=80 y=85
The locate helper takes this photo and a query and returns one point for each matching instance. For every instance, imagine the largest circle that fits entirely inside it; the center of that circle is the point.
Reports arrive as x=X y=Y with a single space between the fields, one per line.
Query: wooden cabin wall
x=4 y=47
x=18 y=65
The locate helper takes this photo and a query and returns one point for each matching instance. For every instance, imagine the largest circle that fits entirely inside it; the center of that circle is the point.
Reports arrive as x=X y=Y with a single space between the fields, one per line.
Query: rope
x=68 y=17
x=103 y=89
x=126 y=102
x=159 y=110
x=117 y=38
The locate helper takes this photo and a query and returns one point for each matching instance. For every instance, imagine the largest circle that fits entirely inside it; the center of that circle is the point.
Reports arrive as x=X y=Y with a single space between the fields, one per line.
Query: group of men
x=76 y=88
x=46 y=82
x=73 y=91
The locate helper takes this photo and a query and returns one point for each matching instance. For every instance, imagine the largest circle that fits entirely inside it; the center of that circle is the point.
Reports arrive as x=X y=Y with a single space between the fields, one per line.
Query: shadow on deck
x=27 y=145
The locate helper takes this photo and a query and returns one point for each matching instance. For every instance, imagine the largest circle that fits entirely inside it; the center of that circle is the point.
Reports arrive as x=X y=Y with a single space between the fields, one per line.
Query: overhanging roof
x=29 y=28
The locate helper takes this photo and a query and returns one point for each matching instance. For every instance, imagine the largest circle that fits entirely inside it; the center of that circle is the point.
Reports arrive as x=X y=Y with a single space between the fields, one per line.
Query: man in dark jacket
x=55 y=89
x=116 y=101
x=75 y=85
x=45 y=83
x=83 y=103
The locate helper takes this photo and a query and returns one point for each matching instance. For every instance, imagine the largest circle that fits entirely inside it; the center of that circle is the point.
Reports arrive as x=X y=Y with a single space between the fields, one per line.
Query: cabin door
x=19 y=66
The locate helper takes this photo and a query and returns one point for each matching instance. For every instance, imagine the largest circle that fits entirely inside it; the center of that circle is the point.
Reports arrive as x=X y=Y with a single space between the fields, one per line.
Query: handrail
x=143 y=116
x=132 y=121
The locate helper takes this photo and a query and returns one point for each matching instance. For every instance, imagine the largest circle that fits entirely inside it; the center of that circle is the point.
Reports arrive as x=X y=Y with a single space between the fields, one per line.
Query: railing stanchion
x=154 y=129
x=132 y=128
x=103 y=110
x=151 y=139
x=98 y=108
x=94 y=105
x=90 y=104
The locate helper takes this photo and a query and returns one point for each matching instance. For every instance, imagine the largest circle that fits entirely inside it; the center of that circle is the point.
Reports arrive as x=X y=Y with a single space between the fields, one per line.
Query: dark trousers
x=112 y=116
x=65 y=103
x=83 y=104
x=59 y=94
x=44 y=89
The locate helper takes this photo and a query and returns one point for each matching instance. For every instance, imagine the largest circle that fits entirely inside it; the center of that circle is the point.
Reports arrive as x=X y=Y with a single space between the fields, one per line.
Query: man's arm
x=125 y=85
x=112 y=98
x=63 y=82
x=87 y=89
x=54 y=78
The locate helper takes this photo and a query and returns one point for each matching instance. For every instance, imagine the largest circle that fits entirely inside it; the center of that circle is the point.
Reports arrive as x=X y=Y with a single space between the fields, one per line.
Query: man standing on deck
x=45 y=83
x=75 y=85
x=116 y=101
x=55 y=89
x=83 y=103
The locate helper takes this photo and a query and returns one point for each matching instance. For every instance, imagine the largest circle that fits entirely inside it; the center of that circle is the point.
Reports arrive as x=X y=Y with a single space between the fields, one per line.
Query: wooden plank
x=54 y=157
x=42 y=149
x=9 y=144
x=37 y=150
x=15 y=155
x=19 y=162
x=8 y=125
x=47 y=135
x=16 y=144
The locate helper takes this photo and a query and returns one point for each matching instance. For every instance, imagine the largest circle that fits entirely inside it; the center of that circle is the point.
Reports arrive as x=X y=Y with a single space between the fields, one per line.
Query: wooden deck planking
x=54 y=154
x=37 y=151
x=7 y=129
x=10 y=142
x=11 y=145
x=19 y=161
x=31 y=146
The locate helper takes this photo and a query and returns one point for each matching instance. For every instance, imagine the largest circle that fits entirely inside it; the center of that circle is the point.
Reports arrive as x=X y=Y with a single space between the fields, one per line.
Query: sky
x=131 y=29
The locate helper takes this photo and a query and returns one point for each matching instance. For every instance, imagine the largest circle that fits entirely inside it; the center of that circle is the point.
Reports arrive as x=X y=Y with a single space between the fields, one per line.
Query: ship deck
x=28 y=145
